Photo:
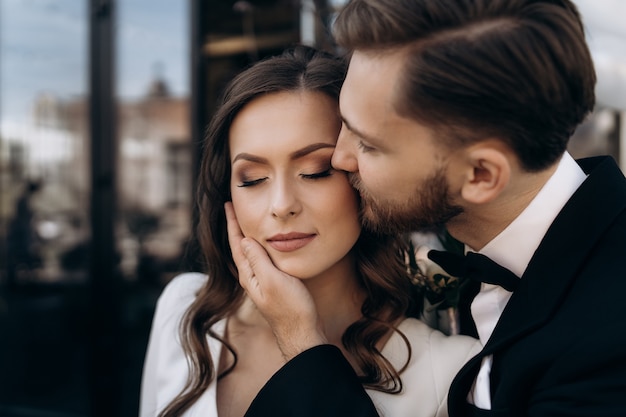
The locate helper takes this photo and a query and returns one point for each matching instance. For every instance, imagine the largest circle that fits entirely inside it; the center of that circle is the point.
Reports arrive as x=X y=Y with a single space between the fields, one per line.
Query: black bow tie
x=475 y=266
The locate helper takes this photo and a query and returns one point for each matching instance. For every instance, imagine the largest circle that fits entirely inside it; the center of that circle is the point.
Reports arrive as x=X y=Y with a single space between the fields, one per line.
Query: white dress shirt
x=513 y=248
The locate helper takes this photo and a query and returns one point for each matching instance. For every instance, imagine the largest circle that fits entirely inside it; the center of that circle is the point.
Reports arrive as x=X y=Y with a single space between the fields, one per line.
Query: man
x=458 y=113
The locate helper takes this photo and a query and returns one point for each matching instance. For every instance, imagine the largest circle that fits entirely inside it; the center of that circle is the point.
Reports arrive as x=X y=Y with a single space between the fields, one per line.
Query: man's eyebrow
x=300 y=153
x=356 y=131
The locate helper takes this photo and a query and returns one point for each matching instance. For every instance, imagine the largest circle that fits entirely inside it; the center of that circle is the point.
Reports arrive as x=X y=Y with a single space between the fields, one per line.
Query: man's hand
x=283 y=300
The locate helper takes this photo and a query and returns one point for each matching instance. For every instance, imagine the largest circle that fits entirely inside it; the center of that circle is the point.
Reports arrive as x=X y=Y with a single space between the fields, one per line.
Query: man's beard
x=429 y=208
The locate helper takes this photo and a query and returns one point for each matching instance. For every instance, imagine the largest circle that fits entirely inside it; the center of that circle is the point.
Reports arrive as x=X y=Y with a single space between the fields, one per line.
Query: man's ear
x=488 y=172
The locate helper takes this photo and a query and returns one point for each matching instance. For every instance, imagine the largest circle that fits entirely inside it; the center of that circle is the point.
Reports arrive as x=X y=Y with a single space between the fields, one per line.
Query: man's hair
x=516 y=70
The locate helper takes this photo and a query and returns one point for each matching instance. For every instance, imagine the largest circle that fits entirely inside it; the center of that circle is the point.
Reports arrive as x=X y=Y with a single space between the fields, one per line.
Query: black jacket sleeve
x=318 y=382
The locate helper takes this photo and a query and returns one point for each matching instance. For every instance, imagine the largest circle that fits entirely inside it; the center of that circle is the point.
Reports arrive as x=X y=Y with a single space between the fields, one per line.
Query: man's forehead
x=371 y=82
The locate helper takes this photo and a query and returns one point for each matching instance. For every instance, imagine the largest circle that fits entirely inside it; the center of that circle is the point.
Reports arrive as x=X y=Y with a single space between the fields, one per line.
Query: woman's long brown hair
x=379 y=259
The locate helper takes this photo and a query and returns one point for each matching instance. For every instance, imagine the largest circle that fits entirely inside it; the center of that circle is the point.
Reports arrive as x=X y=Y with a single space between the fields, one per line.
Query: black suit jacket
x=559 y=347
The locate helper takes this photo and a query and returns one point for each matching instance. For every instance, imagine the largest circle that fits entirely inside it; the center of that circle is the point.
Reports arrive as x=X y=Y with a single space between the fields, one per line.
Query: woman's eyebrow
x=310 y=148
x=249 y=157
x=300 y=153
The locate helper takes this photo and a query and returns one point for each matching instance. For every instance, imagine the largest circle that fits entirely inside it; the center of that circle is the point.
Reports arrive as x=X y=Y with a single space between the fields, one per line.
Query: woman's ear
x=488 y=172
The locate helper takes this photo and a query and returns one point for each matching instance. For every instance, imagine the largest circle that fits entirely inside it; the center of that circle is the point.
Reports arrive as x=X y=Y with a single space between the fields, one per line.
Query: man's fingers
x=246 y=276
x=258 y=259
x=284 y=301
x=262 y=276
x=234 y=235
x=255 y=261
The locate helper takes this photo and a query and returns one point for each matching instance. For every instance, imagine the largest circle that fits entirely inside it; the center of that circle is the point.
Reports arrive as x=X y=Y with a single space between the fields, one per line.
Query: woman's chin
x=294 y=267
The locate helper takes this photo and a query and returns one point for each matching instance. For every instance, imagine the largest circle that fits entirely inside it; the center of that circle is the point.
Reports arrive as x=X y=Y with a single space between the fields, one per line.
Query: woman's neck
x=338 y=298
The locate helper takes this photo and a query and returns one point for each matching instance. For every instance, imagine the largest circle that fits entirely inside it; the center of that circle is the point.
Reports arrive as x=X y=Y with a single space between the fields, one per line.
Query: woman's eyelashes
x=323 y=174
x=250 y=183
x=245 y=182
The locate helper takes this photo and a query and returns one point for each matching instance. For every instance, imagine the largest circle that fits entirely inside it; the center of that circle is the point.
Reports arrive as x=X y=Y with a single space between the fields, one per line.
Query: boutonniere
x=440 y=290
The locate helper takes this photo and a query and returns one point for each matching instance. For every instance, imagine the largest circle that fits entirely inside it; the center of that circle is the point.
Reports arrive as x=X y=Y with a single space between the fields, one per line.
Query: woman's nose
x=285 y=202
x=343 y=157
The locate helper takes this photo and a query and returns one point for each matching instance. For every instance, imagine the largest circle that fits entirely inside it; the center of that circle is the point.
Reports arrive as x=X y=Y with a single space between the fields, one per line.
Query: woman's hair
x=379 y=259
x=517 y=70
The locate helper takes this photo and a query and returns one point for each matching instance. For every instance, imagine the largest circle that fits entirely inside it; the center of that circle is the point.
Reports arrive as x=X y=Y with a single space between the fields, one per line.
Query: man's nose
x=344 y=157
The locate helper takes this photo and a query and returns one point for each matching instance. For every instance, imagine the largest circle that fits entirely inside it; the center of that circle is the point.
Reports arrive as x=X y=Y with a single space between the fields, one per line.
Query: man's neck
x=479 y=224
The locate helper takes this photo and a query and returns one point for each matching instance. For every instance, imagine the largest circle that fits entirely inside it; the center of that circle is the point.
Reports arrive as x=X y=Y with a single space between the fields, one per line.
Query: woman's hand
x=283 y=300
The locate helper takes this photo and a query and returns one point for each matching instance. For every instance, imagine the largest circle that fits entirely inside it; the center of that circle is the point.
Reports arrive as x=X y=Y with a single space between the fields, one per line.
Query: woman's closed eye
x=322 y=174
x=250 y=183
x=247 y=182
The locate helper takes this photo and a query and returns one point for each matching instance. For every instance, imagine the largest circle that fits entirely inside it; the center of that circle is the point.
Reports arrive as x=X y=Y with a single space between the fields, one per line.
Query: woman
x=268 y=149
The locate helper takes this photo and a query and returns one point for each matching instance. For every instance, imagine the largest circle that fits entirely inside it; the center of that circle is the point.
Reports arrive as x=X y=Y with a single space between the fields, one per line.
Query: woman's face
x=285 y=194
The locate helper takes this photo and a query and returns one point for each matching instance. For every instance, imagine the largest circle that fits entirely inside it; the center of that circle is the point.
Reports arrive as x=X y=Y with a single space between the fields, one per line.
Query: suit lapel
x=562 y=252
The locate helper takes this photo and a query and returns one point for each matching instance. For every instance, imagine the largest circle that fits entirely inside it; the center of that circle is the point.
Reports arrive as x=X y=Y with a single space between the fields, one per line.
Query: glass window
x=43 y=142
x=46 y=304
x=44 y=196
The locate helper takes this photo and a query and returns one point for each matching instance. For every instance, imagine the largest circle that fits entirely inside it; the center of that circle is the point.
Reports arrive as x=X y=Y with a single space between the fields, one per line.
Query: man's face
x=395 y=162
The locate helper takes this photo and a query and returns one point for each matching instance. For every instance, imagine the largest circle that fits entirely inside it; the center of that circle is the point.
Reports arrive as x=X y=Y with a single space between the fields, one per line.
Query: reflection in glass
x=154 y=175
x=43 y=145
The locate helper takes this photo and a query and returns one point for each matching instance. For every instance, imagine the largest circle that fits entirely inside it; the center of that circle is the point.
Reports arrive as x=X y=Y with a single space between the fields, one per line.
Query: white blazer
x=435 y=360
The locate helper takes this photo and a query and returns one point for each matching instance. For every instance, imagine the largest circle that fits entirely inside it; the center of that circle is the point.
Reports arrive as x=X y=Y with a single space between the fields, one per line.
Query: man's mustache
x=355 y=181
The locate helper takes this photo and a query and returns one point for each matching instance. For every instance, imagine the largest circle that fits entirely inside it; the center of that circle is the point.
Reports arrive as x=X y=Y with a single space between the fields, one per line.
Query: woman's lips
x=290 y=242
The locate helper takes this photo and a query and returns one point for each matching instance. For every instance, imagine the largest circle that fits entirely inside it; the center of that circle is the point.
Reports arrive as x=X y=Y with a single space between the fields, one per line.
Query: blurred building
x=155 y=177
x=154 y=180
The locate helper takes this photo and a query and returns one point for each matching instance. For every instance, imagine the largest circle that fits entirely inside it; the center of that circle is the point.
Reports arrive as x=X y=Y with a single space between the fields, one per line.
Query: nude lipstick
x=290 y=241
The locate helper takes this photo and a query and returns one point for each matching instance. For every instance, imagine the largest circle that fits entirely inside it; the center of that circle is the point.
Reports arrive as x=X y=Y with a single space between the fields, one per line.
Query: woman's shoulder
x=184 y=285
x=434 y=361
x=443 y=355
x=165 y=368
x=435 y=343
x=428 y=346
x=179 y=293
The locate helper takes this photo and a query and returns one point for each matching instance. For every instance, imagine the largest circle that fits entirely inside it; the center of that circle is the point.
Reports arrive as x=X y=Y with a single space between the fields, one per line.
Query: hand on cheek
x=283 y=300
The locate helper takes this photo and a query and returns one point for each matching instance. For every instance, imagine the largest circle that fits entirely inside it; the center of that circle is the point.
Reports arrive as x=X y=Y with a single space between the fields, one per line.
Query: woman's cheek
x=246 y=222
x=239 y=208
